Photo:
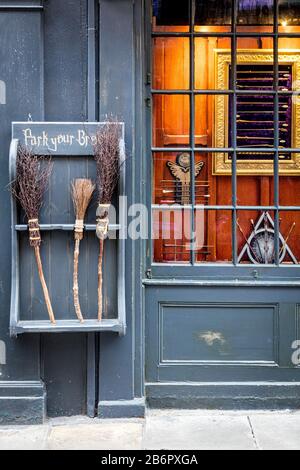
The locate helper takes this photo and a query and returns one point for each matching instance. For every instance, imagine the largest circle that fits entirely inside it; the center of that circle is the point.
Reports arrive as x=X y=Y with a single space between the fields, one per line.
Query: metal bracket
x=149 y=274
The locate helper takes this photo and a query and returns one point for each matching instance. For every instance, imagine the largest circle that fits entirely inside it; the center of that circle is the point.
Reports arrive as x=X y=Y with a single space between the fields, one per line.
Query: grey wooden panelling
x=63 y=96
x=65 y=60
x=44 y=60
x=21 y=68
x=65 y=40
x=214 y=334
x=218 y=333
x=116 y=26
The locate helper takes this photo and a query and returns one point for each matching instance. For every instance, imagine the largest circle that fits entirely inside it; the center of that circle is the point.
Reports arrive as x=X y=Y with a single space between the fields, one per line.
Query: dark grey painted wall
x=21 y=69
x=65 y=36
x=44 y=64
x=44 y=60
x=121 y=72
x=51 y=71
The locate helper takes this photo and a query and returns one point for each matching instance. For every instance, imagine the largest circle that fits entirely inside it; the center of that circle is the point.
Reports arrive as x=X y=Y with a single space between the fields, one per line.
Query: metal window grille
x=233 y=92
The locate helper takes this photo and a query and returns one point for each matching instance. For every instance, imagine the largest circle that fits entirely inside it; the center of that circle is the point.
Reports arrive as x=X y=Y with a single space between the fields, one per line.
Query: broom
x=107 y=157
x=82 y=192
x=28 y=188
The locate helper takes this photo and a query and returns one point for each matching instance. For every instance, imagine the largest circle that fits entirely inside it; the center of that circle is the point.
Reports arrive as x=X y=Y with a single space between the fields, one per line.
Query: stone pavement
x=166 y=430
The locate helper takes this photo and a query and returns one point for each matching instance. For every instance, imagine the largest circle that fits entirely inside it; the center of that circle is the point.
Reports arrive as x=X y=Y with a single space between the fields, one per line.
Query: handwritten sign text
x=58 y=137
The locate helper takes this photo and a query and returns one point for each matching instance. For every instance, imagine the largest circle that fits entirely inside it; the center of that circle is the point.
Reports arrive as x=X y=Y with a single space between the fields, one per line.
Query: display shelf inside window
x=255 y=112
x=72 y=159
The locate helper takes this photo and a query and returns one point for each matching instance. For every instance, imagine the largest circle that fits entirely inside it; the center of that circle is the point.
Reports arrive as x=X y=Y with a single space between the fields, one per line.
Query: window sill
x=222 y=282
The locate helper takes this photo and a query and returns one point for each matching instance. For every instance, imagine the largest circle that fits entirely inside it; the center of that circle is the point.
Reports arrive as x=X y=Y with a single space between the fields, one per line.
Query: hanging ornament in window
x=260 y=245
x=181 y=170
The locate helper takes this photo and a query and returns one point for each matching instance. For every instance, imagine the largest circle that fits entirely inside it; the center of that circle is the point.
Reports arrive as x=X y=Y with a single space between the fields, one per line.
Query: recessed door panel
x=229 y=333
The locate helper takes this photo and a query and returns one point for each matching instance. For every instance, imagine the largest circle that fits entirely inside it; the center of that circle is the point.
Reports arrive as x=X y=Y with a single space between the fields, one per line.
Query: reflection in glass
x=171 y=63
x=210 y=127
x=255 y=237
x=170 y=15
x=219 y=188
x=171 y=235
x=213 y=229
x=172 y=179
x=213 y=127
x=289 y=189
x=289 y=237
x=255 y=124
x=255 y=190
x=213 y=13
x=171 y=120
x=209 y=51
x=291 y=47
x=289 y=13
x=257 y=44
x=173 y=241
x=255 y=12
x=173 y=15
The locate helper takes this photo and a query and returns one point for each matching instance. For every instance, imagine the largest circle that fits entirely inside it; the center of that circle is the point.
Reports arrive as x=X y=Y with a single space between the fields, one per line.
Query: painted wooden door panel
x=227 y=333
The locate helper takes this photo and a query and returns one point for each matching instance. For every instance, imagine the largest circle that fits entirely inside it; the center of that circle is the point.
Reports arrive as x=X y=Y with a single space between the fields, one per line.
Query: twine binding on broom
x=78 y=229
x=34 y=232
x=102 y=221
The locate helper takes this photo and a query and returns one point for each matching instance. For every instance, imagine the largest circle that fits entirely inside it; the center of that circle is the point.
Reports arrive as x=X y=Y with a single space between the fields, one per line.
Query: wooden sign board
x=58 y=138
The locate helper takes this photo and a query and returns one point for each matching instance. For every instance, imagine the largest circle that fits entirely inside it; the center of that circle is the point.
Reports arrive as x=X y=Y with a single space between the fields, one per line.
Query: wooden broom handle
x=43 y=282
x=100 y=280
x=75 y=281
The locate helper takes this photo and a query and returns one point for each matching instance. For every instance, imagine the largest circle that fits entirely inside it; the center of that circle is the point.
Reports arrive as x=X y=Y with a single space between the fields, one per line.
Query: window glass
x=210 y=15
x=170 y=15
x=255 y=12
x=225 y=132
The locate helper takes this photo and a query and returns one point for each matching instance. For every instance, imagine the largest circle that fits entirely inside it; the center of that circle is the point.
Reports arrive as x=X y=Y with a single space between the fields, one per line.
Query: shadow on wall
x=2 y=353
x=2 y=92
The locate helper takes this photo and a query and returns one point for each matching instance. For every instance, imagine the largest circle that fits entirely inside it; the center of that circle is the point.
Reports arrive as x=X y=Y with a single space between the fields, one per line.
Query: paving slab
x=24 y=437
x=192 y=431
x=162 y=429
x=277 y=431
x=106 y=435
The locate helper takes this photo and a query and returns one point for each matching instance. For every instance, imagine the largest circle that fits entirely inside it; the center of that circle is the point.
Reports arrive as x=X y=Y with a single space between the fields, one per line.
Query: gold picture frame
x=222 y=162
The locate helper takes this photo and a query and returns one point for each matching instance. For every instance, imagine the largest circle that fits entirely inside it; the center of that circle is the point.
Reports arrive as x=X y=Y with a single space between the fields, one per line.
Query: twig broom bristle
x=82 y=192
x=31 y=182
x=107 y=157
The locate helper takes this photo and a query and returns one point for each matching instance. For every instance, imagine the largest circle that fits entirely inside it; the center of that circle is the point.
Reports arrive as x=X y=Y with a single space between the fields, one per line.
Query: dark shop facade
x=200 y=299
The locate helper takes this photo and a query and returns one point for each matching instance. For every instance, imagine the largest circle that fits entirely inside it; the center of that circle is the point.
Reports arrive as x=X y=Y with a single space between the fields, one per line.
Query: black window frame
x=218 y=269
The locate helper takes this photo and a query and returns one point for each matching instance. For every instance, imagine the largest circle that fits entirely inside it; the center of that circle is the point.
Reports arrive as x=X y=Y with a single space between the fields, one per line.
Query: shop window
x=226 y=132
